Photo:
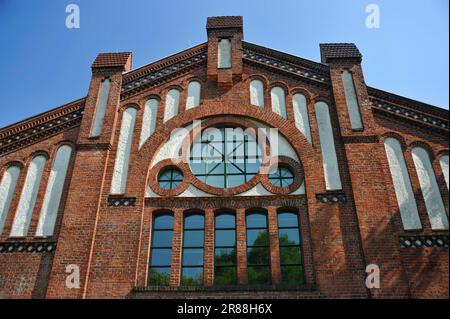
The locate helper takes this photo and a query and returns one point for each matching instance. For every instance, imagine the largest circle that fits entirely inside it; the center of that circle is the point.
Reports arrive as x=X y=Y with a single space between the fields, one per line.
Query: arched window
x=290 y=249
x=278 y=98
x=28 y=197
x=193 y=248
x=193 y=98
x=7 y=189
x=120 y=174
x=172 y=104
x=149 y=120
x=443 y=161
x=329 y=158
x=352 y=101
x=301 y=115
x=257 y=93
x=53 y=193
x=224 y=54
x=430 y=189
x=402 y=184
x=225 y=265
x=161 y=251
x=100 y=110
x=258 y=252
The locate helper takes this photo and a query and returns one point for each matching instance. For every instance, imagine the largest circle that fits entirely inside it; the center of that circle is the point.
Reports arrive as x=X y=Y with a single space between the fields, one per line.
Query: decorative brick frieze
x=27 y=247
x=116 y=201
x=331 y=198
x=360 y=139
x=419 y=241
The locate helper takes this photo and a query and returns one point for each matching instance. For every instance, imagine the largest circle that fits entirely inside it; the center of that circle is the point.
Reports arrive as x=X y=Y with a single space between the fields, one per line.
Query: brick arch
x=309 y=158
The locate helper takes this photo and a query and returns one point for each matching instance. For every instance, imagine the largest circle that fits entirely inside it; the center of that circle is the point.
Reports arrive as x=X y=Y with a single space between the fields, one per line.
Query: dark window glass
x=170 y=178
x=161 y=252
x=258 y=253
x=225 y=267
x=282 y=177
x=290 y=249
x=193 y=250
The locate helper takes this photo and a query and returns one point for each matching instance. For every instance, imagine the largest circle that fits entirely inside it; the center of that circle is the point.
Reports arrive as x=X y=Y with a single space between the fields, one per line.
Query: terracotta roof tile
x=224 y=22
x=339 y=51
x=108 y=60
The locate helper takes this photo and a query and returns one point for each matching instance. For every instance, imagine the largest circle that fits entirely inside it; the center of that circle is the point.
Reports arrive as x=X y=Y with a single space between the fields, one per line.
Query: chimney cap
x=224 y=22
x=113 y=60
x=339 y=51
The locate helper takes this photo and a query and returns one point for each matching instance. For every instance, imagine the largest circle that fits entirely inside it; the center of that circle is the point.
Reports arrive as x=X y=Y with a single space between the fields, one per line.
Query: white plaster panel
x=7 y=189
x=125 y=142
x=443 y=161
x=257 y=93
x=193 y=98
x=101 y=108
x=278 y=98
x=301 y=115
x=53 y=193
x=402 y=185
x=172 y=104
x=149 y=120
x=28 y=197
x=329 y=158
x=430 y=189
x=224 y=54
x=352 y=100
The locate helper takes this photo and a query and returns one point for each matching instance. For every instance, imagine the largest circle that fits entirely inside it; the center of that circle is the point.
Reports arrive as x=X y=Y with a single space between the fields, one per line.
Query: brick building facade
x=96 y=187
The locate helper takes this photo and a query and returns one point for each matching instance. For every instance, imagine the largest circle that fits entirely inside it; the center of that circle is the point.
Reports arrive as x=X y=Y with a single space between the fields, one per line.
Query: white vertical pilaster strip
x=100 y=110
x=193 y=98
x=329 y=158
x=278 y=98
x=430 y=189
x=53 y=193
x=224 y=54
x=28 y=197
x=120 y=174
x=7 y=188
x=301 y=115
x=402 y=184
x=172 y=104
x=444 y=167
x=149 y=120
x=352 y=100
x=257 y=93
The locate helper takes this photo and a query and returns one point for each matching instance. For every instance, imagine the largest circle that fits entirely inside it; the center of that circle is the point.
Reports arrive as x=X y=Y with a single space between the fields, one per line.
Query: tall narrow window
x=120 y=173
x=224 y=54
x=443 y=161
x=257 y=93
x=193 y=246
x=290 y=249
x=278 y=98
x=54 y=191
x=402 y=185
x=172 y=104
x=100 y=111
x=352 y=101
x=161 y=253
x=301 y=115
x=193 y=98
x=149 y=120
x=225 y=271
x=7 y=189
x=28 y=197
x=430 y=189
x=329 y=158
x=258 y=253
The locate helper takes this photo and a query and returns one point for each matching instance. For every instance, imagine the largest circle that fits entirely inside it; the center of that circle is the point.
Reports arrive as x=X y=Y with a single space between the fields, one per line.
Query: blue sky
x=44 y=64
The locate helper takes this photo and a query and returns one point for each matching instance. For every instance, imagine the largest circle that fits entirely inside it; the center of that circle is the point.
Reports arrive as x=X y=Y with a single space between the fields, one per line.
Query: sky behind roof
x=44 y=64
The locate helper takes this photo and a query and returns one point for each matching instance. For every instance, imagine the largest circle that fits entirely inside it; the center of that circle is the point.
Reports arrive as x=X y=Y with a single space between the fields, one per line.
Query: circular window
x=170 y=178
x=225 y=157
x=282 y=177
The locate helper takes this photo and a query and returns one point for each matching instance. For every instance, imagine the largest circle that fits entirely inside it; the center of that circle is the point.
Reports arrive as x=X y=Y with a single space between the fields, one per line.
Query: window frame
x=234 y=265
x=183 y=247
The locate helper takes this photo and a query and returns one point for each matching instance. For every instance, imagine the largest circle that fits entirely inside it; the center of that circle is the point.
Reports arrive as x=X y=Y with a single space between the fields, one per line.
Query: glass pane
x=198 y=168
x=165 y=185
x=163 y=222
x=193 y=238
x=253 y=166
x=215 y=167
x=235 y=180
x=256 y=220
x=165 y=176
x=159 y=276
x=286 y=181
x=194 y=221
x=225 y=276
x=290 y=255
x=216 y=181
x=161 y=257
x=287 y=220
x=162 y=238
x=192 y=276
x=259 y=275
x=292 y=275
x=235 y=166
x=225 y=238
x=284 y=172
x=289 y=236
x=225 y=221
x=258 y=256
x=192 y=257
x=276 y=182
x=177 y=175
x=257 y=237
x=225 y=256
